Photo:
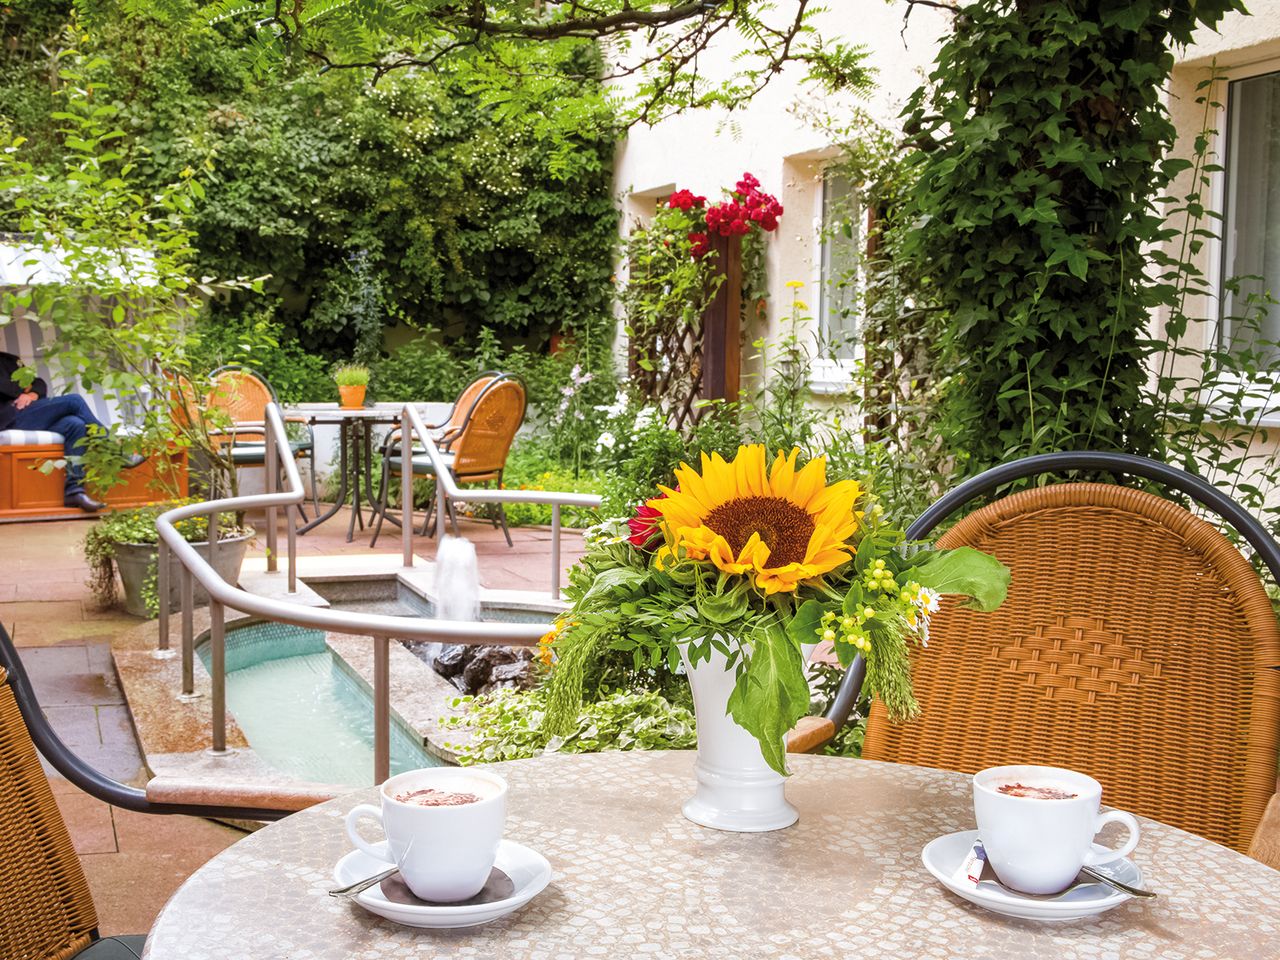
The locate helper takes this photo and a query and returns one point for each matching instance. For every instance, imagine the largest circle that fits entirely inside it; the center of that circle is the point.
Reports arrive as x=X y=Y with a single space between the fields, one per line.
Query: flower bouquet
x=737 y=573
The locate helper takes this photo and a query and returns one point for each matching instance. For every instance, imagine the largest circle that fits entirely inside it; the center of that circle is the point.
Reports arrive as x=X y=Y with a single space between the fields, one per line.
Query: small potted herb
x=352 y=380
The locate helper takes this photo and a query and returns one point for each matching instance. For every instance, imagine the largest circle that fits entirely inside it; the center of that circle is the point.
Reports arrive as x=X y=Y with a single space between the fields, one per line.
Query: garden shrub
x=258 y=341
x=361 y=205
x=507 y=725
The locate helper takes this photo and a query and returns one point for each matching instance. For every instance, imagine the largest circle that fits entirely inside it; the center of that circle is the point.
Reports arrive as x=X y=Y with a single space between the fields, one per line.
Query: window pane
x=1251 y=232
x=841 y=216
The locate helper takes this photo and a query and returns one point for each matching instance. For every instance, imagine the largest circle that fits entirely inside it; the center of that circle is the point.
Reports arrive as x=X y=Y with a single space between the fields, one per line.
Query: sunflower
x=780 y=525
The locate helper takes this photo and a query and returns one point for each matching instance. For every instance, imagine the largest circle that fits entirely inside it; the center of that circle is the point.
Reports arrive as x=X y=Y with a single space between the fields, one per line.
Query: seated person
x=33 y=409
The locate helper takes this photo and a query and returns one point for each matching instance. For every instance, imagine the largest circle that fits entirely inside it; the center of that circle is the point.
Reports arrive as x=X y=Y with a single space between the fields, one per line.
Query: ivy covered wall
x=1043 y=151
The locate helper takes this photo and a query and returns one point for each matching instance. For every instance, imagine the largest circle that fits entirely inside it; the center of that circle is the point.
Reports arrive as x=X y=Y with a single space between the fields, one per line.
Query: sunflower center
x=784 y=527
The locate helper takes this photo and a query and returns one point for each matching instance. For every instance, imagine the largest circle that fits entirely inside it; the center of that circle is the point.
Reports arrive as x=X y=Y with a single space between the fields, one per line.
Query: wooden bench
x=26 y=493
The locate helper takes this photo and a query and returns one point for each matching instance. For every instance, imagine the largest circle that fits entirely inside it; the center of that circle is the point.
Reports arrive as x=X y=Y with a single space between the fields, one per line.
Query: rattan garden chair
x=243 y=394
x=477 y=455
x=1137 y=644
x=451 y=429
x=46 y=910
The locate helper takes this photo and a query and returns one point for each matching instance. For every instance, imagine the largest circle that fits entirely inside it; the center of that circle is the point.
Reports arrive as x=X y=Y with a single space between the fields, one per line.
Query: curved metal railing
x=382 y=628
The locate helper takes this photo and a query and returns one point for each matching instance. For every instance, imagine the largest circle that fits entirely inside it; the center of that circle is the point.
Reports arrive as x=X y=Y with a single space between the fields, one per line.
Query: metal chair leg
x=315 y=482
x=383 y=496
x=502 y=514
x=453 y=517
x=429 y=529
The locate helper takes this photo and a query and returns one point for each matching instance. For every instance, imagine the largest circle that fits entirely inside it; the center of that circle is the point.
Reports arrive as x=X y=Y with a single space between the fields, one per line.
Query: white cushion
x=20 y=438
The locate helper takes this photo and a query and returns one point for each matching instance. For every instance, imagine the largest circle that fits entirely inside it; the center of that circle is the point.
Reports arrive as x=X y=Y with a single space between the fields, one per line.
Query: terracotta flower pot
x=352 y=395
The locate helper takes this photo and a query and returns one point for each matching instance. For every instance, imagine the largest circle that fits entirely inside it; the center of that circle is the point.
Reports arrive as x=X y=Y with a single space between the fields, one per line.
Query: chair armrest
x=810 y=734
x=1266 y=839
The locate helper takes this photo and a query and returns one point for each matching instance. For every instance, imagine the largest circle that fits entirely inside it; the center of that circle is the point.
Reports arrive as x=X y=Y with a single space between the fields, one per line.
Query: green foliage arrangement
x=754 y=561
x=507 y=725
x=1042 y=153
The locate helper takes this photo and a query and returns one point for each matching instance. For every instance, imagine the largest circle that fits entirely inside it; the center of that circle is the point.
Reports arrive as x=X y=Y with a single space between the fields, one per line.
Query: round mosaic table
x=633 y=878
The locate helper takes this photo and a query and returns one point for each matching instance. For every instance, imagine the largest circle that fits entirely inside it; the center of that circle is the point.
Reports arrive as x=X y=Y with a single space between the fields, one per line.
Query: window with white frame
x=1251 y=211
x=837 y=296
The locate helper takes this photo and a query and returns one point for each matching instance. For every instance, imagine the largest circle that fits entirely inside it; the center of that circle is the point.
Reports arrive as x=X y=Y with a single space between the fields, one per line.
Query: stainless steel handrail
x=411 y=425
x=380 y=627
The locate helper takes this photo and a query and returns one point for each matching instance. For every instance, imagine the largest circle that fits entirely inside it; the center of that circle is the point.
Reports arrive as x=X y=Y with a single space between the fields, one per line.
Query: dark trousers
x=69 y=416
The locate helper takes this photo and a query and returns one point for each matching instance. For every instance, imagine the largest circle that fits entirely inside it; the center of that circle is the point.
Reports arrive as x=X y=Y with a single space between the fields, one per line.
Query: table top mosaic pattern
x=633 y=878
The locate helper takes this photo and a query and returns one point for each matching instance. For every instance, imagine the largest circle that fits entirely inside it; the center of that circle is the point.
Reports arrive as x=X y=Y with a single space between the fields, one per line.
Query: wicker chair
x=451 y=429
x=243 y=394
x=478 y=453
x=1137 y=645
x=46 y=910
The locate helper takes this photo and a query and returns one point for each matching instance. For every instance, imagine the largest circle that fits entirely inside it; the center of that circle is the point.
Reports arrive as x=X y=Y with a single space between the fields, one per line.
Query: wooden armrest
x=810 y=734
x=266 y=796
x=1266 y=839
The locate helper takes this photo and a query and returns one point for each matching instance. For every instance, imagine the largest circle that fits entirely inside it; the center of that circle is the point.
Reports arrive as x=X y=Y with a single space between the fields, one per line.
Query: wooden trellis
x=692 y=362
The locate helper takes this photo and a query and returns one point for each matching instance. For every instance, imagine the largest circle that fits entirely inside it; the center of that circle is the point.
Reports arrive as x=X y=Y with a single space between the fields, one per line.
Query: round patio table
x=633 y=878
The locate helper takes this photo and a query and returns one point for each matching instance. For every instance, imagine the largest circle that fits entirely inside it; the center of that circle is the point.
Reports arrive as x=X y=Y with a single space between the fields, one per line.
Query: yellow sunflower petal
x=721 y=554
x=806 y=521
x=783 y=475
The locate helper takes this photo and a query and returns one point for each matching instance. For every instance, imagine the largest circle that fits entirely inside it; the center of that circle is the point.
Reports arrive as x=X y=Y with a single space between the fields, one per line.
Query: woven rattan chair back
x=46 y=911
x=481 y=448
x=462 y=407
x=242 y=395
x=1136 y=645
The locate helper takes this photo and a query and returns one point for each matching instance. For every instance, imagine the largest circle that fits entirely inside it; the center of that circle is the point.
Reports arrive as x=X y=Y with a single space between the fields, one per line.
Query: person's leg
x=42 y=414
x=69 y=416
x=74 y=431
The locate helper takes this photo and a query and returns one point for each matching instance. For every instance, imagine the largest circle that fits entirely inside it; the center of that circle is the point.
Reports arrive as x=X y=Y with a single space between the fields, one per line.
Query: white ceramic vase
x=737 y=790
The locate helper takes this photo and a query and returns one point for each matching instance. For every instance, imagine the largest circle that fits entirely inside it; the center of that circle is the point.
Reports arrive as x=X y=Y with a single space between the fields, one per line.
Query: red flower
x=746 y=205
x=644 y=525
x=685 y=200
x=699 y=245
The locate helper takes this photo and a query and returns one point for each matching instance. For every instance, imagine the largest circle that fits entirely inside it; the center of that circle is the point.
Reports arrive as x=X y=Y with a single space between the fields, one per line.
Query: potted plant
x=737 y=572
x=126 y=541
x=352 y=380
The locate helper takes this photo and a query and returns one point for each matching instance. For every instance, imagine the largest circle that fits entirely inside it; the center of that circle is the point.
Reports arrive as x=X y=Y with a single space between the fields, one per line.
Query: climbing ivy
x=1042 y=143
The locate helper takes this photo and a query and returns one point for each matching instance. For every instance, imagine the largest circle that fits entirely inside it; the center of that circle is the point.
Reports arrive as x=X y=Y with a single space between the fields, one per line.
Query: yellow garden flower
x=779 y=525
x=548 y=640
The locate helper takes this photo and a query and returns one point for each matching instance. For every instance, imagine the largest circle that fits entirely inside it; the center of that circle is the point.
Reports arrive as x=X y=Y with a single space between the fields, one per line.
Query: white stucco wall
x=1243 y=45
x=776 y=139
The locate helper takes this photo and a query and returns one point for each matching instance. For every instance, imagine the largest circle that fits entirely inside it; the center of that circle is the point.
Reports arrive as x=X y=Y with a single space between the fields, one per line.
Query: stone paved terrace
x=134 y=862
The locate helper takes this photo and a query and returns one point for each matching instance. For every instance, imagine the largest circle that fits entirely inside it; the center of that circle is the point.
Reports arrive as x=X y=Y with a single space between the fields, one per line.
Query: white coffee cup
x=444 y=853
x=1037 y=845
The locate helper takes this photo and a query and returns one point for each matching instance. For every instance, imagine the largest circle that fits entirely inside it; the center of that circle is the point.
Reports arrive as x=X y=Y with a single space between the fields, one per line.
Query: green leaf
x=802 y=627
x=614 y=579
x=967 y=572
x=771 y=693
x=726 y=606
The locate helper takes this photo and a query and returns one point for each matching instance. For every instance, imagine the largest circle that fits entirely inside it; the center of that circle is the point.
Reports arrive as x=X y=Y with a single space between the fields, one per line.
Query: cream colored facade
x=780 y=139
x=1244 y=47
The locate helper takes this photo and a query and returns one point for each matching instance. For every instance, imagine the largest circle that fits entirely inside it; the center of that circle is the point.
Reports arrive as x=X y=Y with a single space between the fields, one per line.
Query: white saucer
x=944 y=856
x=528 y=871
